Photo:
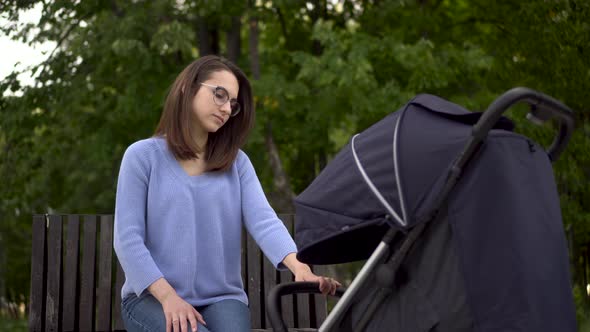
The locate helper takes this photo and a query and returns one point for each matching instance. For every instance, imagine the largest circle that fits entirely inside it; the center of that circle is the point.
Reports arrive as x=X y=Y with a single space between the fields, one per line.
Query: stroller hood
x=405 y=156
x=503 y=216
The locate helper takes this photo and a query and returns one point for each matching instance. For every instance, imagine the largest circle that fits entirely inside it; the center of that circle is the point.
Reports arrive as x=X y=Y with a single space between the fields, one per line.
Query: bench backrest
x=76 y=278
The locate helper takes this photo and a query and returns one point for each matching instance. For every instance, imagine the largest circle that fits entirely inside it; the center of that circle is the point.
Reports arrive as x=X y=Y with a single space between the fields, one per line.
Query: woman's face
x=207 y=114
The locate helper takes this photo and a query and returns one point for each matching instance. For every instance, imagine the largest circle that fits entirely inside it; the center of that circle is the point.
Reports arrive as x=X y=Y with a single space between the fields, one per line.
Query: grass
x=13 y=325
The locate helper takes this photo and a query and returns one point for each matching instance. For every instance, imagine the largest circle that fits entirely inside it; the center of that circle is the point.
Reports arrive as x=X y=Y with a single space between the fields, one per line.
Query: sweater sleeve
x=260 y=219
x=130 y=220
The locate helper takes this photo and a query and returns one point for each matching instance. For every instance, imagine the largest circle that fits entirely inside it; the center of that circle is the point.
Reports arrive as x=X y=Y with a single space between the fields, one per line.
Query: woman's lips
x=219 y=118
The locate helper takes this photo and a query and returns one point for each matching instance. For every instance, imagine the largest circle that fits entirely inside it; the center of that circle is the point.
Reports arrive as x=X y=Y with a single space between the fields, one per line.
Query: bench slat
x=70 y=276
x=120 y=279
x=287 y=302
x=319 y=300
x=303 y=317
x=88 y=270
x=37 y=304
x=270 y=280
x=244 y=257
x=254 y=277
x=104 y=284
x=53 y=299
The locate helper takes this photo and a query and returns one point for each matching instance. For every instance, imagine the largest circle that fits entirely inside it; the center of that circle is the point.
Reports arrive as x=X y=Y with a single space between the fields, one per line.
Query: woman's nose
x=226 y=107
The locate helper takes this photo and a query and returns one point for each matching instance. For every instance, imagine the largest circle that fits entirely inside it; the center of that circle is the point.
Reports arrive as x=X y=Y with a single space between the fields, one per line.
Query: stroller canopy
x=503 y=217
x=405 y=156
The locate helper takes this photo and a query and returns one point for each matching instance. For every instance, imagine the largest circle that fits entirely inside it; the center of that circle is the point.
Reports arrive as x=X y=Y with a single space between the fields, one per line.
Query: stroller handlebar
x=273 y=300
x=543 y=107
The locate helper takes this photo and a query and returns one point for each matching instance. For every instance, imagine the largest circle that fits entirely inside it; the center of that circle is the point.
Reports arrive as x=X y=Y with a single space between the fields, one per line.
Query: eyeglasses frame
x=214 y=89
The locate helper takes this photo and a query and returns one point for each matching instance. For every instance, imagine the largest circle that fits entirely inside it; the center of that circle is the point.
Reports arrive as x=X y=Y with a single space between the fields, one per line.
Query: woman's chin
x=214 y=129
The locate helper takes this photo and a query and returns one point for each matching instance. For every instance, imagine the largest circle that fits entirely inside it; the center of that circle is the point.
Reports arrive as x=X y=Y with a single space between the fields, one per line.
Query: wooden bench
x=76 y=278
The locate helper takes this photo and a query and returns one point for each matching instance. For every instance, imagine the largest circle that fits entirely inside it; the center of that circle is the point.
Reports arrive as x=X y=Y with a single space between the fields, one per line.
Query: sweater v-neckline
x=180 y=173
x=184 y=168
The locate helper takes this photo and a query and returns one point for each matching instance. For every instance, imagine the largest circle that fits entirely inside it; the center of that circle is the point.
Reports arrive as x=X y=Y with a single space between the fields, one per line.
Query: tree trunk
x=214 y=33
x=572 y=249
x=283 y=200
x=208 y=37
x=585 y=271
x=2 y=270
x=322 y=161
x=203 y=39
x=320 y=10
x=253 y=45
x=116 y=9
x=233 y=39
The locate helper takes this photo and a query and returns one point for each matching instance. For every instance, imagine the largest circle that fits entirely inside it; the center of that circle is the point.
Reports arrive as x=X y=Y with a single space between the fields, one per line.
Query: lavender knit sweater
x=187 y=229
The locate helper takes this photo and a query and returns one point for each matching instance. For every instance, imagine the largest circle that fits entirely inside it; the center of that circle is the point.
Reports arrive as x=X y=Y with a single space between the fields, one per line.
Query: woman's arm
x=259 y=218
x=269 y=232
x=130 y=219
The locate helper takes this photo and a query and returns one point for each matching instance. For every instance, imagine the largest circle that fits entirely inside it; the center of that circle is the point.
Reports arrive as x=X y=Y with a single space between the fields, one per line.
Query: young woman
x=182 y=198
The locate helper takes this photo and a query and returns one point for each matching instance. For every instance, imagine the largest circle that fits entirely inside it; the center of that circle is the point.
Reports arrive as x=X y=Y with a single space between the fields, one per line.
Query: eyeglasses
x=221 y=96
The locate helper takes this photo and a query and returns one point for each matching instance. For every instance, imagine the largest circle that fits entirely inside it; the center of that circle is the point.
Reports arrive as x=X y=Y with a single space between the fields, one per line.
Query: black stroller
x=458 y=216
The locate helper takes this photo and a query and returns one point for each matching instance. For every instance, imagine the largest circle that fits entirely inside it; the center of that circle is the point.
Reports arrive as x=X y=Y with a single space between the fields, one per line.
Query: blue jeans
x=145 y=314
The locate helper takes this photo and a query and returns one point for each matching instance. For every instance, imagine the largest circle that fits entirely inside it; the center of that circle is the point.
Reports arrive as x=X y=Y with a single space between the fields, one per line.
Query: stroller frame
x=543 y=107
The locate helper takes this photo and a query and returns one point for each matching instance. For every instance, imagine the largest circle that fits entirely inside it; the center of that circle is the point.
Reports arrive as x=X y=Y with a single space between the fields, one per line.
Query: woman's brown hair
x=223 y=145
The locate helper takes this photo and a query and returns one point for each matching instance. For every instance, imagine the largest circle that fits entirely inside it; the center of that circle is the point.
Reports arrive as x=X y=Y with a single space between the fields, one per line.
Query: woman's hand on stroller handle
x=327 y=285
x=303 y=273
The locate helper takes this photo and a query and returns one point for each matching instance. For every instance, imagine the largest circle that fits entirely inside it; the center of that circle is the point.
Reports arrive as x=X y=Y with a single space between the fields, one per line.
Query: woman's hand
x=327 y=284
x=303 y=272
x=179 y=314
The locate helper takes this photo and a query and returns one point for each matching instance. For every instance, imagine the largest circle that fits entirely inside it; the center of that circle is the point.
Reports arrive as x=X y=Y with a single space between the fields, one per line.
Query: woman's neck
x=200 y=139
